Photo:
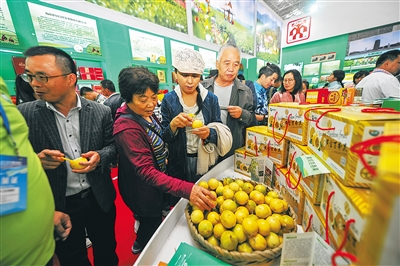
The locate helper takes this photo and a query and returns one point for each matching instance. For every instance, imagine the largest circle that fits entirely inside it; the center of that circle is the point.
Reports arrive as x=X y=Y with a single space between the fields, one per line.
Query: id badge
x=13 y=184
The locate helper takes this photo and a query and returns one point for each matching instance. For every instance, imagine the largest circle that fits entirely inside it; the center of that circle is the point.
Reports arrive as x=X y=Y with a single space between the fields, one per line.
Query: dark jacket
x=177 y=144
x=114 y=102
x=95 y=135
x=141 y=183
x=241 y=96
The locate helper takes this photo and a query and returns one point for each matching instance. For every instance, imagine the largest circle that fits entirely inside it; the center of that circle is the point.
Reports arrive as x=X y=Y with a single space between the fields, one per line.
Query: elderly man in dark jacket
x=235 y=98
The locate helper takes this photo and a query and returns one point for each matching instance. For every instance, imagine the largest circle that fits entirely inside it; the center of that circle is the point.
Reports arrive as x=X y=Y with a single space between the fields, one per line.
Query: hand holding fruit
x=50 y=159
x=87 y=163
x=202 y=198
x=180 y=121
x=235 y=111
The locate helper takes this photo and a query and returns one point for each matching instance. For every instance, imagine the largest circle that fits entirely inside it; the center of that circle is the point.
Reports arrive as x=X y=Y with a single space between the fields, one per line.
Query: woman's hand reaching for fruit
x=202 y=198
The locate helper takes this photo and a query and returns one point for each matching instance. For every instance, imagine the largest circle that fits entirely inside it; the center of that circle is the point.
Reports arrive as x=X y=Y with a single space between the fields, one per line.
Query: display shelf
x=174 y=228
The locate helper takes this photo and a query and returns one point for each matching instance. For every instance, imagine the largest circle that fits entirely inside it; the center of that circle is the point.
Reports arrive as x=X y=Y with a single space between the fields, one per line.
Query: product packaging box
x=346 y=203
x=258 y=168
x=307 y=249
x=337 y=132
x=187 y=255
x=380 y=239
x=316 y=96
x=294 y=197
x=311 y=183
x=313 y=218
x=261 y=143
x=286 y=120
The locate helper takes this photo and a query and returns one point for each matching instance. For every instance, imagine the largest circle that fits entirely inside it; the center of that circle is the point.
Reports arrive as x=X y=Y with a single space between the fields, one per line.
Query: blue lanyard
x=6 y=124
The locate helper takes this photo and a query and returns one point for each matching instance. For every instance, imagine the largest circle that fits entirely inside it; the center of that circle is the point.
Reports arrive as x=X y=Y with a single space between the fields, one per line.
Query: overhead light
x=313 y=8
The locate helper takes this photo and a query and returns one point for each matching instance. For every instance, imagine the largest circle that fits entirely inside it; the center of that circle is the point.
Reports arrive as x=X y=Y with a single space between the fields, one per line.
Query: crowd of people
x=160 y=157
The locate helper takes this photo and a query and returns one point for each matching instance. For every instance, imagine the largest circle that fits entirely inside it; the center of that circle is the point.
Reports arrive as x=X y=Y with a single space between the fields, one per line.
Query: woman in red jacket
x=142 y=156
x=290 y=90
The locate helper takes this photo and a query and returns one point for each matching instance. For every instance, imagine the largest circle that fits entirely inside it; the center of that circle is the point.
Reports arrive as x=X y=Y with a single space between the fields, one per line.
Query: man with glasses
x=64 y=125
x=235 y=98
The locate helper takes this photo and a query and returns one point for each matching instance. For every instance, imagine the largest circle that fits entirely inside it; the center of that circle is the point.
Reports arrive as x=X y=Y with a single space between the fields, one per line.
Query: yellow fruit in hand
x=75 y=163
x=197 y=124
x=203 y=184
x=191 y=115
x=197 y=216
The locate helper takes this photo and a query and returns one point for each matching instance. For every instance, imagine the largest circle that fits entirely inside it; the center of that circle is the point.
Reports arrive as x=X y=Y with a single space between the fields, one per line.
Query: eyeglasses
x=288 y=80
x=40 y=78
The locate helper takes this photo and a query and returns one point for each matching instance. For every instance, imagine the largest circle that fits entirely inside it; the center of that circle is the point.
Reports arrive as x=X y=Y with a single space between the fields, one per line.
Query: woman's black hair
x=339 y=75
x=359 y=74
x=199 y=100
x=23 y=91
x=307 y=83
x=298 y=82
x=135 y=81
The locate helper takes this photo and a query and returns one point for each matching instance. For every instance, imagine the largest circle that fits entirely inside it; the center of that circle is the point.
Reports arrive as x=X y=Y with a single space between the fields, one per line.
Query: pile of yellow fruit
x=247 y=217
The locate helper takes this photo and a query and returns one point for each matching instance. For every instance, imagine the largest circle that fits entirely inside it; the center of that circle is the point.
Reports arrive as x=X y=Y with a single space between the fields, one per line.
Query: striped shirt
x=157 y=143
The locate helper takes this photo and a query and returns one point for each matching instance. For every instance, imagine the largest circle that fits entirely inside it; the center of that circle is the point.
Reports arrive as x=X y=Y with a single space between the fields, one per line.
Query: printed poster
x=209 y=57
x=225 y=21
x=147 y=47
x=64 y=30
x=268 y=35
x=177 y=47
x=7 y=30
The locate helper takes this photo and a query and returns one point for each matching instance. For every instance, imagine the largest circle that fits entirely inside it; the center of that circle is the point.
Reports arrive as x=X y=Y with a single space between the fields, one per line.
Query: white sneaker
x=136 y=227
x=88 y=243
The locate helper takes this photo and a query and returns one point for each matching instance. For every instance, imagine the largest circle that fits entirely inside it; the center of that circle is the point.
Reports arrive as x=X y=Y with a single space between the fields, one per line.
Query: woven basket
x=235 y=257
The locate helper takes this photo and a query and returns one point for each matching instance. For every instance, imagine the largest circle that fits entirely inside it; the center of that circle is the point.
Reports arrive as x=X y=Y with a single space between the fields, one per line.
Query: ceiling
x=290 y=8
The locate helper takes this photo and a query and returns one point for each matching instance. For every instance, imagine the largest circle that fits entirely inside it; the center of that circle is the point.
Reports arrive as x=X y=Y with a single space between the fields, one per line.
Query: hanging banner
x=7 y=29
x=65 y=30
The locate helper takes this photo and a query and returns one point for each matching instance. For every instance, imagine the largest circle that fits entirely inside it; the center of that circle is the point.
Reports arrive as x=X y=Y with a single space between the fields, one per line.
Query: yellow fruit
x=213 y=183
x=238 y=231
x=213 y=241
x=75 y=163
x=273 y=194
x=263 y=211
x=203 y=184
x=197 y=124
x=227 y=181
x=192 y=115
x=234 y=186
x=218 y=230
x=241 y=197
x=272 y=240
x=268 y=199
x=213 y=217
x=244 y=209
x=240 y=182
x=280 y=239
x=258 y=242
x=276 y=205
x=229 y=205
x=245 y=248
x=261 y=188
x=274 y=224
x=228 y=193
x=205 y=228
x=229 y=241
x=250 y=226
x=247 y=187
x=195 y=207
x=251 y=206
x=228 y=219
x=220 y=200
x=285 y=205
x=263 y=227
x=197 y=216
x=253 y=216
x=219 y=190
x=287 y=222
x=240 y=215
x=257 y=196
